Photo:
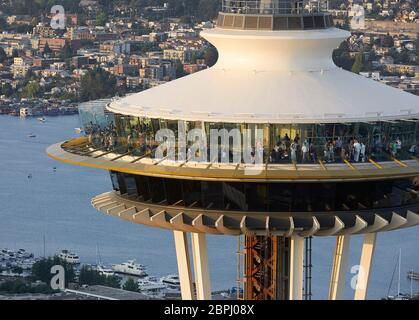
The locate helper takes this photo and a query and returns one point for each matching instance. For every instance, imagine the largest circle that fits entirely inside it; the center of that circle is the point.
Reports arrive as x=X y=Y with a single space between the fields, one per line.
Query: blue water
x=57 y=205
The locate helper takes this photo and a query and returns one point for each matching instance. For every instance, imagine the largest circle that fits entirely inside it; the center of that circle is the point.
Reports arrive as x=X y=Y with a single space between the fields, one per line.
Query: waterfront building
x=274 y=144
x=25 y=112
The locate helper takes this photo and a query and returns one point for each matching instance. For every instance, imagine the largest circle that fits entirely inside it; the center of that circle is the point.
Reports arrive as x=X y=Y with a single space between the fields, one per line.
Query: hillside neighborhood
x=112 y=48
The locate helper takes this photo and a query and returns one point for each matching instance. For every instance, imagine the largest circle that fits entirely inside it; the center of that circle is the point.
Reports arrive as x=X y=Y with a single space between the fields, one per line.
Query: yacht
x=105 y=270
x=7 y=254
x=23 y=254
x=32 y=135
x=69 y=257
x=26 y=264
x=130 y=268
x=151 y=285
x=171 y=281
x=413 y=275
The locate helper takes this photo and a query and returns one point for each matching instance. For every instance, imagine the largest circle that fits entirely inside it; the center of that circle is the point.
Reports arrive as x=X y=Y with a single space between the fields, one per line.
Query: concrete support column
x=201 y=270
x=296 y=268
x=367 y=254
x=339 y=268
x=183 y=263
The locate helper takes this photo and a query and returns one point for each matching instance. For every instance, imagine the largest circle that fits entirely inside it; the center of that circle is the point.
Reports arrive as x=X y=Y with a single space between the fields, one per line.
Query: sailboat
x=399 y=295
x=102 y=269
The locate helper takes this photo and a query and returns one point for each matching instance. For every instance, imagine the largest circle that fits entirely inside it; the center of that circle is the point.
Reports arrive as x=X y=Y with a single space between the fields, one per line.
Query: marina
x=19 y=264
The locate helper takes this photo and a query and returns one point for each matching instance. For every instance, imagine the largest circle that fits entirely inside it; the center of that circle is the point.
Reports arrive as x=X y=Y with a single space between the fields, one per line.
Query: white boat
x=413 y=275
x=23 y=254
x=7 y=254
x=32 y=135
x=171 y=281
x=42 y=119
x=105 y=270
x=151 y=285
x=78 y=130
x=26 y=264
x=130 y=268
x=399 y=295
x=69 y=257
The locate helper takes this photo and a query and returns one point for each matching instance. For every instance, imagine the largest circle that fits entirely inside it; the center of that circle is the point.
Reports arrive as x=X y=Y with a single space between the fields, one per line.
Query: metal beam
x=183 y=262
x=401 y=164
x=201 y=270
x=375 y=164
x=141 y=157
x=322 y=165
x=296 y=268
x=122 y=155
x=349 y=164
x=340 y=264
x=365 y=263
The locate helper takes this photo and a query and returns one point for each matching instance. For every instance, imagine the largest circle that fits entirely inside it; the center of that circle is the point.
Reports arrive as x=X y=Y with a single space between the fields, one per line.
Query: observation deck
x=77 y=151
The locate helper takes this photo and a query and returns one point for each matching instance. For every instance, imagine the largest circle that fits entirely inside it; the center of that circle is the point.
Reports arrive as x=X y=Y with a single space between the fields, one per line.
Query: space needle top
x=276 y=55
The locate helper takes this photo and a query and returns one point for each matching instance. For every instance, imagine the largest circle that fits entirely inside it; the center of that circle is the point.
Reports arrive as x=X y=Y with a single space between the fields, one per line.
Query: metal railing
x=274 y=7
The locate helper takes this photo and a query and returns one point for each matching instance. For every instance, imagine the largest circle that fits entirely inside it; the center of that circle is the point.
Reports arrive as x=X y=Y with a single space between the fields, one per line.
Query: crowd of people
x=333 y=150
x=286 y=150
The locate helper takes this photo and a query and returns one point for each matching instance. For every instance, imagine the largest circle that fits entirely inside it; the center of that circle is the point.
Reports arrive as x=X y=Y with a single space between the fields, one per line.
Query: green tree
x=358 y=65
x=97 y=84
x=341 y=56
x=15 y=53
x=101 y=19
x=179 y=69
x=7 y=90
x=208 y=9
x=90 y=276
x=31 y=90
x=21 y=286
x=3 y=55
x=186 y=19
x=66 y=52
x=41 y=270
x=131 y=285
x=210 y=56
x=113 y=281
x=17 y=270
x=47 y=49
x=387 y=41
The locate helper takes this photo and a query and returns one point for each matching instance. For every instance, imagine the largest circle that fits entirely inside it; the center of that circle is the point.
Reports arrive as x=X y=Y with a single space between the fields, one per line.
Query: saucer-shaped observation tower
x=274 y=143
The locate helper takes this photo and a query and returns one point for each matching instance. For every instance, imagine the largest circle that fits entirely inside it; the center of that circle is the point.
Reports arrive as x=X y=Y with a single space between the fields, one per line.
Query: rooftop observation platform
x=77 y=152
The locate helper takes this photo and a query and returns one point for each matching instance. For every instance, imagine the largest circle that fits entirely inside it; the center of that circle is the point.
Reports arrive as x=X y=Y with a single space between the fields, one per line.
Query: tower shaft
x=267 y=267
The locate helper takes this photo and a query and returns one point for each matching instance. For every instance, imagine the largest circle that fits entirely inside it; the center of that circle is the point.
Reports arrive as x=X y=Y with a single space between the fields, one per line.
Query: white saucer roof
x=272 y=77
